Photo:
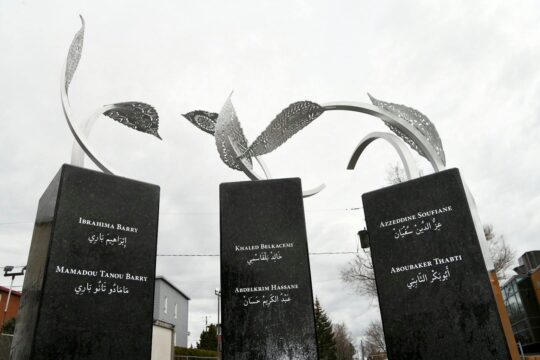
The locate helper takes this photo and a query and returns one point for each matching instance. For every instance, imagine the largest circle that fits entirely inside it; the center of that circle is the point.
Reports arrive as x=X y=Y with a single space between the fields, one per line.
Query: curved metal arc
x=394 y=120
x=264 y=167
x=411 y=170
x=244 y=165
x=314 y=191
x=77 y=153
x=79 y=137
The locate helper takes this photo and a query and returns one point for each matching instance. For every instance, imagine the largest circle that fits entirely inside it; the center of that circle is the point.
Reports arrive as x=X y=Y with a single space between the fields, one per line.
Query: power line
x=215 y=255
x=217 y=212
x=199 y=213
x=18 y=266
x=195 y=255
x=16 y=222
x=334 y=253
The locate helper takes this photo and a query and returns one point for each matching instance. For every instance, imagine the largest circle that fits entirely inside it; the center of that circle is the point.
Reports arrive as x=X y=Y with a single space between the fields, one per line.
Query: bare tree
x=359 y=273
x=374 y=340
x=344 y=347
x=503 y=256
x=395 y=174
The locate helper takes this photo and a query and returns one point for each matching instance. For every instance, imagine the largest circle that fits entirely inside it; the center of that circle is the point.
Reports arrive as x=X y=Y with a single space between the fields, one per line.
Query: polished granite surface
x=434 y=291
x=88 y=291
x=266 y=290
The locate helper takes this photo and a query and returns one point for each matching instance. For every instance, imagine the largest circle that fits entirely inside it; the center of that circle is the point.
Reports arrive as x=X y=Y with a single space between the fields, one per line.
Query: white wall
x=162 y=343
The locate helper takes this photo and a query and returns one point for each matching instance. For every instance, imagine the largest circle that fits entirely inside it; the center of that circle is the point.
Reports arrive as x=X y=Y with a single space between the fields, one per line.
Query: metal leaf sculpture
x=287 y=123
x=228 y=130
x=204 y=120
x=418 y=120
x=74 y=55
x=136 y=115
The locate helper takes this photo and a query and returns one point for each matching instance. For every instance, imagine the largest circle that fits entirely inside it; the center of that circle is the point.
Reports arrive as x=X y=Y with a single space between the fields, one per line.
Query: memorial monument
x=89 y=286
x=431 y=263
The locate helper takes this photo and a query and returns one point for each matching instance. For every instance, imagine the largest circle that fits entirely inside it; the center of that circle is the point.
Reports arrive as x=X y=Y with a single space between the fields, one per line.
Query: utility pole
x=217 y=292
x=8 y=272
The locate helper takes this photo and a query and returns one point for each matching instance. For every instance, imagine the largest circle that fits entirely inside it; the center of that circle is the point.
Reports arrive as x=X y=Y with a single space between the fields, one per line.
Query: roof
x=171 y=285
x=163 y=324
x=13 y=292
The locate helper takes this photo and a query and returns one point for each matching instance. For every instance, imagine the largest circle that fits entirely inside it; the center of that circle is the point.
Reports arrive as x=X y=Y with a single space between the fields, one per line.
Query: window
x=165 y=305
x=176 y=311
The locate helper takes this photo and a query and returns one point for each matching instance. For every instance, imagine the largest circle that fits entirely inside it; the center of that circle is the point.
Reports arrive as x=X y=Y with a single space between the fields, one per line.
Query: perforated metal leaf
x=204 y=120
x=420 y=122
x=74 y=54
x=287 y=123
x=228 y=128
x=136 y=115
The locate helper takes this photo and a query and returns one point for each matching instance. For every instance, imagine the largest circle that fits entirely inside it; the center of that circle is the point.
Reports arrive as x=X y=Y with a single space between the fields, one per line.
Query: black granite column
x=89 y=286
x=434 y=290
x=266 y=290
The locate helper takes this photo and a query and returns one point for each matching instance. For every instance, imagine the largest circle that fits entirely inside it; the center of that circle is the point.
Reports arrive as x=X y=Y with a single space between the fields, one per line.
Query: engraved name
x=426 y=264
x=273 y=287
x=418 y=215
x=100 y=273
x=263 y=246
x=107 y=225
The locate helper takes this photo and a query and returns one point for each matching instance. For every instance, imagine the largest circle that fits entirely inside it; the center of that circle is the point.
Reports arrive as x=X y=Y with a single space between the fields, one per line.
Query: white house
x=171 y=306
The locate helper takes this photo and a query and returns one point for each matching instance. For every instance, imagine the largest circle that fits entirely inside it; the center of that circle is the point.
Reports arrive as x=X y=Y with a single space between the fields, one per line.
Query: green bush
x=194 y=352
x=9 y=327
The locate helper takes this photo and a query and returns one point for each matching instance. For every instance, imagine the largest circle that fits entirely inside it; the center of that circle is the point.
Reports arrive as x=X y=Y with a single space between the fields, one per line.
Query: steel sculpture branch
x=411 y=171
x=136 y=115
x=410 y=127
x=394 y=120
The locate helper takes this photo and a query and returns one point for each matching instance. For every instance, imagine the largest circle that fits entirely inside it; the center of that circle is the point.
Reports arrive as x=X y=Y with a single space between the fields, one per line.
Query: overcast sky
x=470 y=66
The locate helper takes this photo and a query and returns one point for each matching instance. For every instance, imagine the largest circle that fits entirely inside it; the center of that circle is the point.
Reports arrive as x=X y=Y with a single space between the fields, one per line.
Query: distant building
x=521 y=295
x=171 y=306
x=13 y=306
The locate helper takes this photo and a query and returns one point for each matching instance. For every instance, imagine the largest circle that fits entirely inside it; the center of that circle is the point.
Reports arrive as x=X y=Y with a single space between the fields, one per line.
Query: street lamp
x=363 y=235
x=8 y=271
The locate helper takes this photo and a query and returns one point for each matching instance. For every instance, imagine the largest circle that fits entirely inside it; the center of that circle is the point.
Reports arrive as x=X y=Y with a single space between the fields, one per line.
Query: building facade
x=171 y=306
x=521 y=295
x=13 y=306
